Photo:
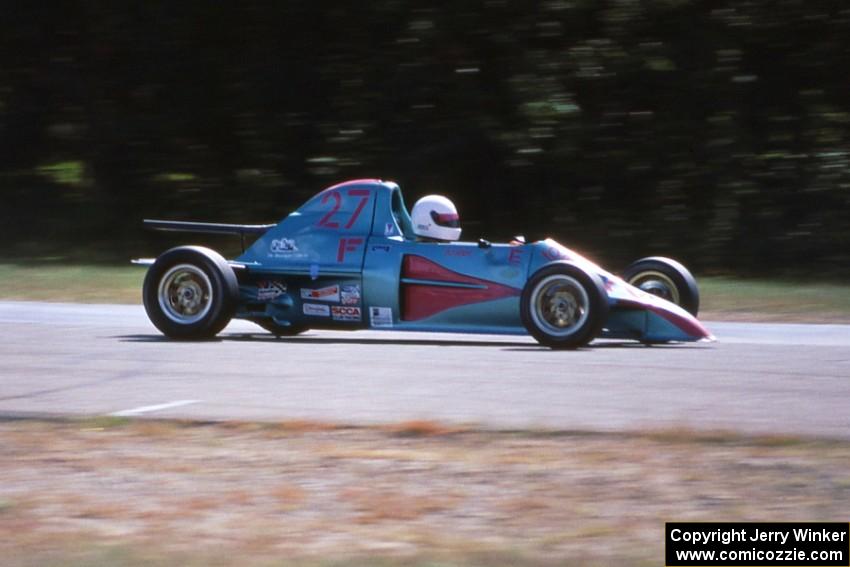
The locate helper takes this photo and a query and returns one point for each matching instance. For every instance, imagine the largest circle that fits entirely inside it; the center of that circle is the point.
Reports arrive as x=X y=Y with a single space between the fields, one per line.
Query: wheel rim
x=559 y=305
x=658 y=284
x=185 y=294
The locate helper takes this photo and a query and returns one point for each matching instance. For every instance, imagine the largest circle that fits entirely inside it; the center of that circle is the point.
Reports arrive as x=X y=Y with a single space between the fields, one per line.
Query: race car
x=353 y=257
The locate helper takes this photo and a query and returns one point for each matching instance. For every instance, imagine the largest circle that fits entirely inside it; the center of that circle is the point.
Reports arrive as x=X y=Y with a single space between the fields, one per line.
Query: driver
x=435 y=218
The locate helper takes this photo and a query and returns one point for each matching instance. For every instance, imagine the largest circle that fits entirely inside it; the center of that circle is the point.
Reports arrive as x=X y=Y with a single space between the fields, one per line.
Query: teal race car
x=353 y=257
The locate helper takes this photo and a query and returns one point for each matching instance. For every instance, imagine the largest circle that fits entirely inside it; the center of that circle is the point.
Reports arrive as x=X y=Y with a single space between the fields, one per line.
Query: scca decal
x=341 y=313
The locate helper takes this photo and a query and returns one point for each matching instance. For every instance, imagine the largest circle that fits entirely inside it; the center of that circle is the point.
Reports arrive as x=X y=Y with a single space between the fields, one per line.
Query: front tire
x=564 y=306
x=667 y=279
x=190 y=292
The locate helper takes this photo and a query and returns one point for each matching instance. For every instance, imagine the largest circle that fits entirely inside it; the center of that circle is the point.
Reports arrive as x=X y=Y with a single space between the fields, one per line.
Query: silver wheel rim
x=559 y=305
x=185 y=294
x=658 y=284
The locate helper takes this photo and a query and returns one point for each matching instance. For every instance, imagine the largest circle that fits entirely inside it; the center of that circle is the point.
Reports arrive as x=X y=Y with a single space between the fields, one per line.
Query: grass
x=737 y=299
x=200 y=493
x=74 y=283
x=722 y=298
x=102 y=422
x=92 y=555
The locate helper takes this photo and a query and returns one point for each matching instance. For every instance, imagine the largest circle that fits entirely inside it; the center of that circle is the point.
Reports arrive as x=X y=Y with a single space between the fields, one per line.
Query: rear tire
x=190 y=292
x=564 y=306
x=667 y=279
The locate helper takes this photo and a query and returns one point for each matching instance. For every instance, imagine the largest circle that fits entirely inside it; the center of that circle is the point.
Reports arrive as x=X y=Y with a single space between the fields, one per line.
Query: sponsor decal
x=316 y=310
x=381 y=248
x=553 y=253
x=350 y=294
x=381 y=316
x=509 y=273
x=283 y=245
x=456 y=251
x=268 y=290
x=515 y=256
x=389 y=229
x=345 y=313
x=285 y=248
x=330 y=293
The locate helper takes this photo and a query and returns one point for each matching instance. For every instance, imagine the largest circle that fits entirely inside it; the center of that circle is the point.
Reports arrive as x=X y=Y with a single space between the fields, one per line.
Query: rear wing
x=237 y=266
x=209 y=228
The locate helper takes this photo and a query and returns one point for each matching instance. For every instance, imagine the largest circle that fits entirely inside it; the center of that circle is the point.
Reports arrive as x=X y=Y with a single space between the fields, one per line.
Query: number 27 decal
x=334 y=196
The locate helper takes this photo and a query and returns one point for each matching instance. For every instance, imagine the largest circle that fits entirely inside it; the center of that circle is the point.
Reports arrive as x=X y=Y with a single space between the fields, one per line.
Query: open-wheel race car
x=352 y=257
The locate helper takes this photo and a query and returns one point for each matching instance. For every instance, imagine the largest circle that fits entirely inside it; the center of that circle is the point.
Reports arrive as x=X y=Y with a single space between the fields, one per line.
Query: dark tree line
x=714 y=131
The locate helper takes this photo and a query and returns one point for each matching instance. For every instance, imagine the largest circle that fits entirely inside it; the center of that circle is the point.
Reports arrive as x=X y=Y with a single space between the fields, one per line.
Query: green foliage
x=84 y=283
x=712 y=131
x=175 y=177
x=103 y=422
x=64 y=172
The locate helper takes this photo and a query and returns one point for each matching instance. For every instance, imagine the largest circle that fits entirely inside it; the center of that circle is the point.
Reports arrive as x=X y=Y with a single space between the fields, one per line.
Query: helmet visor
x=450 y=220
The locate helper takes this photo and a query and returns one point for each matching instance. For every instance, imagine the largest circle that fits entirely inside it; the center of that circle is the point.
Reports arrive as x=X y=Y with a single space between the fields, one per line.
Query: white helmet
x=436 y=217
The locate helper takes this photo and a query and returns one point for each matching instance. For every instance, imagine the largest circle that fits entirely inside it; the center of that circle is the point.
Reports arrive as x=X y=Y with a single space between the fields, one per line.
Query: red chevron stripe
x=420 y=301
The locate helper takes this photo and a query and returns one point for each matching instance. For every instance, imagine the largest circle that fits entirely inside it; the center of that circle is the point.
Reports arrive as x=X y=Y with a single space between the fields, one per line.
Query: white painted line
x=158 y=407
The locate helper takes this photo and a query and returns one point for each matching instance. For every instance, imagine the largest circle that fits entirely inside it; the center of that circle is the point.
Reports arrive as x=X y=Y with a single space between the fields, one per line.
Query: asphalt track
x=67 y=359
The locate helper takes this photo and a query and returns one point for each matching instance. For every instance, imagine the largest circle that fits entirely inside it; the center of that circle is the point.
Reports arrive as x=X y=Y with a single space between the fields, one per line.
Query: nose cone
x=669 y=322
x=686 y=324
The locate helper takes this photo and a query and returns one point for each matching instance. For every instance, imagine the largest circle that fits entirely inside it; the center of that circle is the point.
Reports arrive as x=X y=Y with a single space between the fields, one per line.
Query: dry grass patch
x=423 y=428
x=389 y=504
x=288 y=496
x=299 y=426
x=261 y=493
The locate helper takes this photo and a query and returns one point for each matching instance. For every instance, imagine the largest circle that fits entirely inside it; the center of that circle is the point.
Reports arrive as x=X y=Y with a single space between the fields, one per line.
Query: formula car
x=352 y=257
